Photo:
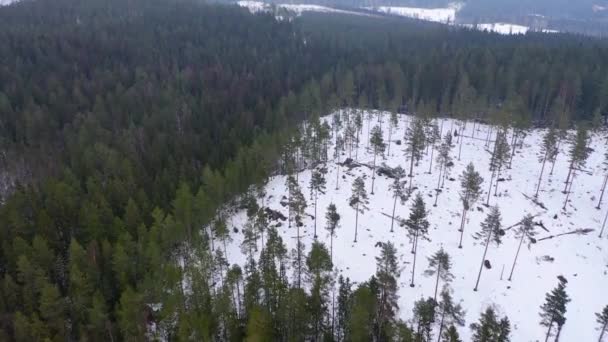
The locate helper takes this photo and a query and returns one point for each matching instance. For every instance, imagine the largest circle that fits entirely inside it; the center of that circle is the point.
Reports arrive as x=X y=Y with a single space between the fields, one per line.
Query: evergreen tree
x=393 y=124
x=490 y=329
x=339 y=146
x=317 y=185
x=444 y=162
x=417 y=226
x=378 y=147
x=425 y=313
x=362 y=314
x=297 y=205
x=499 y=158
x=332 y=222
x=344 y=308
x=397 y=188
x=358 y=201
x=387 y=275
x=470 y=181
x=602 y=320
x=491 y=231
x=450 y=314
x=579 y=152
x=548 y=153
x=415 y=141
x=525 y=230
x=433 y=135
x=319 y=268
x=451 y=335
x=553 y=311
x=440 y=264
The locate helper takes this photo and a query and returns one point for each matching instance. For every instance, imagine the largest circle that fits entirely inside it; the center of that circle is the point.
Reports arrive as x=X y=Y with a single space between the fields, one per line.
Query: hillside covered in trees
x=128 y=127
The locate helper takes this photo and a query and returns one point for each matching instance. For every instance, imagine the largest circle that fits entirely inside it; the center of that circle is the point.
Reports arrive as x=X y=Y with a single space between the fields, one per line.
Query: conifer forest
x=183 y=170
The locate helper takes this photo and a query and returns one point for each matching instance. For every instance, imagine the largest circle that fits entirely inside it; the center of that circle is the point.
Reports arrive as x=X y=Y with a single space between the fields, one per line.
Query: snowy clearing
x=440 y=15
x=581 y=259
x=297 y=9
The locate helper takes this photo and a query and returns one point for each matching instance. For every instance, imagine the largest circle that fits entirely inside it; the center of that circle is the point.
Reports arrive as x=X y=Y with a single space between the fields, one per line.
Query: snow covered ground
x=297 y=9
x=581 y=259
x=441 y=15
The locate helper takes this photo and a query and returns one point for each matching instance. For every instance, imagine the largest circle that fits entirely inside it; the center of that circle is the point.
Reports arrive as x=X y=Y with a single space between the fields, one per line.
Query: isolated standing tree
x=444 y=162
x=440 y=265
x=578 y=157
x=499 y=158
x=490 y=232
x=387 y=276
x=358 y=201
x=553 y=311
x=417 y=226
x=602 y=320
x=490 y=329
x=450 y=314
x=433 y=135
x=397 y=188
x=415 y=141
x=337 y=148
x=317 y=185
x=393 y=124
x=548 y=154
x=332 y=219
x=378 y=147
x=470 y=181
x=525 y=230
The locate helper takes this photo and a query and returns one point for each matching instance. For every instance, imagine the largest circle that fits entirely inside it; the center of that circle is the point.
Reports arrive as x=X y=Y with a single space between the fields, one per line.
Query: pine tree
x=415 y=142
x=489 y=329
x=470 y=181
x=499 y=158
x=317 y=185
x=344 y=306
x=417 y=227
x=451 y=335
x=579 y=153
x=387 y=275
x=602 y=320
x=378 y=147
x=433 y=135
x=297 y=205
x=525 y=230
x=397 y=188
x=358 y=127
x=548 y=153
x=318 y=269
x=440 y=264
x=444 y=162
x=425 y=313
x=358 y=201
x=393 y=124
x=491 y=231
x=339 y=146
x=553 y=311
x=332 y=219
x=450 y=314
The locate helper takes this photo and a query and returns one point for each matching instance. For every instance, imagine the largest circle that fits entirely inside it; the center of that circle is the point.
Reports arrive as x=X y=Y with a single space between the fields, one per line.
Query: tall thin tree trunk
x=516 y=255
x=569 y=190
x=374 y=171
x=338 y=177
x=438 y=185
x=441 y=325
x=483 y=259
x=599 y=203
x=393 y=217
x=414 y=264
x=559 y=332
x=464 y=213
x=460 y=147
x=602 y=333
x=299 y=248
x=356 y=220
x=490 y=189
x=437 y=281
x=568 y=177
x=559 y=141
x=316 y=198
x=390 y=133
x=540 y=178
x=431 y=163
x=513 y=142
x=496 y=186
x=549 y=331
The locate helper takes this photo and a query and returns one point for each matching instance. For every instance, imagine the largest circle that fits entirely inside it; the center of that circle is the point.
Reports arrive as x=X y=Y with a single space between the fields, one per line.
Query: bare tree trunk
x=437 y=281
x=490 y=190
x=516 y=255
x=568 y=178
x=338 y=177
x=316 y=198
x=431 y=163
x=415 y=253
x=549 y=331
x=441 y=325
x=483 y=259
x=374 y=171
x=542 y=169
x=602 y=333
x=569 y=191
x=393 y=217
x=356 y=220
x=559 y=142
x=464 y=213
x=604 y=225
x=496 y=186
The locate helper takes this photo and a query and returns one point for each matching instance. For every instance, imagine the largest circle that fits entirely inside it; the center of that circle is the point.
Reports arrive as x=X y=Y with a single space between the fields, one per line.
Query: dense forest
x=126 y=127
